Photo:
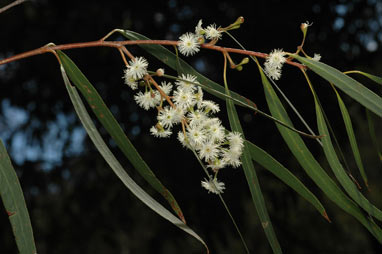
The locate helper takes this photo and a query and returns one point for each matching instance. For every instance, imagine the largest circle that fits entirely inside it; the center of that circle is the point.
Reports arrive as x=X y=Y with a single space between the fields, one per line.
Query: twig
x=118 y=44
x=13 y=4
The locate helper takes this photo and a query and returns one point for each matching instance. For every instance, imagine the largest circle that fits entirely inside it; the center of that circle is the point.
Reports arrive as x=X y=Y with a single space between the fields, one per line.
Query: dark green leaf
x=113 y=128
x=14 y=203
x=271 y=164
x=310 y=165
x=376 y=79
x=252 y=180
x=348 y=85
x=353 y=141
x=339 y=171
x=116 y=166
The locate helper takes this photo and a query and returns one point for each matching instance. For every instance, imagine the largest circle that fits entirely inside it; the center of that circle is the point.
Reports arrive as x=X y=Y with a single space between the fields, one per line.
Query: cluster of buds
x=182 y=104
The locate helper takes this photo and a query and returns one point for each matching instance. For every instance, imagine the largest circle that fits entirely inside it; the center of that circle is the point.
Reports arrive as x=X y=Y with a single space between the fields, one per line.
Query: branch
x=119 y=44
x=13 y=4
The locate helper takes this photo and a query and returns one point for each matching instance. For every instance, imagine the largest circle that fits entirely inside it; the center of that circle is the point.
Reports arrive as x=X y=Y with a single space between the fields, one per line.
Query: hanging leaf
x=348 y=85
x=352 y=139
x=252 y=180
x=14 y=204
x=273 y=166
x=114 y=129
x=116 y=166
x=310 y=165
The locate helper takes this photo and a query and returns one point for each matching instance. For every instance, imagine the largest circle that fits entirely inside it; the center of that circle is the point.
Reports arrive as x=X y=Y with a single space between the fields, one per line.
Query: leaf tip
x=325 y=215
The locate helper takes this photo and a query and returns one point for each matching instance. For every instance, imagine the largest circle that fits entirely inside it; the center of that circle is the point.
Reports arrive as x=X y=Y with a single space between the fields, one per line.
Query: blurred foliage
x=76 y=203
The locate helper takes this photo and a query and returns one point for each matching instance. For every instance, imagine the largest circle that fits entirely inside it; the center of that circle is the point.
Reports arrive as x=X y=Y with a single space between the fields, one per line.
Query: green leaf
x=339 y=171
x=376 y=79
x=348 y=85
x=14 y=203
x=113 y=128
x=170 y=59
x=353 y=141
x=370 y=122
x=116 y=166
x=277 y=169
x=252 y=180
x=310 y=165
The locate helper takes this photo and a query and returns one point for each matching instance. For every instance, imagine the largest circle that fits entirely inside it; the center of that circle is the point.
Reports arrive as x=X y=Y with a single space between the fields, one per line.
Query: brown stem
x=13 y=4
x=119 y=44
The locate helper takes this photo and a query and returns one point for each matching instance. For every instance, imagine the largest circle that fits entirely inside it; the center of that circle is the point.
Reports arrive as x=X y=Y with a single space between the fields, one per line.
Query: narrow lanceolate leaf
x=114 y=129
x=348 y=85
x=171 y=60
x=353 y=141
x=116 y=166
x=311 y=166
x=339 y=171
x=277 y=169
x=370 y=122
x=14 y=204
x=376 y=79
x=253 y=182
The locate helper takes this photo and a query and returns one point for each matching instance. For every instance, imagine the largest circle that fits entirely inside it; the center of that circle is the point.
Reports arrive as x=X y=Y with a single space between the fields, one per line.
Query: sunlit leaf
x=14 y=204
x=114 y=129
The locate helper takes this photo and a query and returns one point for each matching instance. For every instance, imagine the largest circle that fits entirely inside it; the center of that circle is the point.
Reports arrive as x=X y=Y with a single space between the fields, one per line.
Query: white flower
x=212 y=33
x=210 y=106
x=130 y=81
x=160 y=72
x=188 y=44
x=147 y=100
x=183 y=140
x=137 y=68
x=187 y=82
x=306 y=25
x=209 y=151
x=316 y=57
x=236 y=142
x=183 y=99
x=232 y=157
x=276 y=58
x=217 y=164
x=272 y=72
x=166 y=87
x=199 y=31
x=216 y=131
x=196 y=118
x=274 y=63
x=196 y=136
x=213 y=186
x=161 y=132
x=167 y=117
x=199 y=97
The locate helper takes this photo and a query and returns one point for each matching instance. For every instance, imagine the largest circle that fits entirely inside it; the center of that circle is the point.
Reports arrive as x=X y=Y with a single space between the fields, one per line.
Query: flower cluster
x=200 y=132
x=189 y=43
x=274 y=63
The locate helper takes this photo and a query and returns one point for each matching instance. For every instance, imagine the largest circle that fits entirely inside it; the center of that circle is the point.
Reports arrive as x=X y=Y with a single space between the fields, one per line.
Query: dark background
x=77 y=204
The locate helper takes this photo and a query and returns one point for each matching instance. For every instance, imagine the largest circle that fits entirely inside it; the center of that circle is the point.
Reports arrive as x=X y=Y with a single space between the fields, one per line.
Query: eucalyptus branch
x=119 y=44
